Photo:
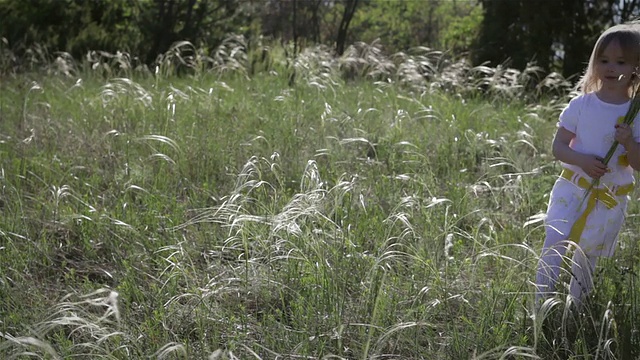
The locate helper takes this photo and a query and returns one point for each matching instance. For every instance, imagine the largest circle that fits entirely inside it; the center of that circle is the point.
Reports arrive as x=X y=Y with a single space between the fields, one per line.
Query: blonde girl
x=586 y=129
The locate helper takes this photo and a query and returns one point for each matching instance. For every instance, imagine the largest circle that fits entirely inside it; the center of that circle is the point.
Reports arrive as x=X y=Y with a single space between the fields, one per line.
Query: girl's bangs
x=629 y=42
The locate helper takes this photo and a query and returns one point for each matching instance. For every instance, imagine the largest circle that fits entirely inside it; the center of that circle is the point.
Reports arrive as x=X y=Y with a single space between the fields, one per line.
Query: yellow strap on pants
x=604 y=195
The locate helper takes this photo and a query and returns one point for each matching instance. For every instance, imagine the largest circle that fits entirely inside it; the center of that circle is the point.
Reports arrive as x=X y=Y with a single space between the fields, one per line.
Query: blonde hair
x=628 y=36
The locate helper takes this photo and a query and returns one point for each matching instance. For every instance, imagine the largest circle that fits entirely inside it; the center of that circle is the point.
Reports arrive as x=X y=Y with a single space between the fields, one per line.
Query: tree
x=458 y=26
x=400 y=25
x=349 y=10
x=74 y=26
x=201 y=22
x=501 y=34
x=289 y=19
x=144 y=27
x=555 y=34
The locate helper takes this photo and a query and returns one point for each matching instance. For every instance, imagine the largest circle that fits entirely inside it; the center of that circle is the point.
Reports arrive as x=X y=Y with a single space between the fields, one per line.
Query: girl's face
x=614 y=70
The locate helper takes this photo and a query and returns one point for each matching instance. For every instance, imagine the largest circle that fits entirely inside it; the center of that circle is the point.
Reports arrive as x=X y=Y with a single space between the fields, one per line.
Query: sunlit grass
x=239 y=204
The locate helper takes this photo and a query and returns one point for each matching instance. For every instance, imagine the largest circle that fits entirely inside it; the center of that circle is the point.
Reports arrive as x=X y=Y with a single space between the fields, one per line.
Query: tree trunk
x=349 y=11
x=164 y=28
x=315 y=21
x=294 y=28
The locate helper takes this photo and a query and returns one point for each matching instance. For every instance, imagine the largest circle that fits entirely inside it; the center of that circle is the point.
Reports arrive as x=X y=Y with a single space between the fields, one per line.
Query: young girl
x=586 y=130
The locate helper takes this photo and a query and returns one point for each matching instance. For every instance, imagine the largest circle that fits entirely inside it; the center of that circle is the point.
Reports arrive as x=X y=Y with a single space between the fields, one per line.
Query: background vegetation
x=555 y=35
x=367 y=207
x=268 y=197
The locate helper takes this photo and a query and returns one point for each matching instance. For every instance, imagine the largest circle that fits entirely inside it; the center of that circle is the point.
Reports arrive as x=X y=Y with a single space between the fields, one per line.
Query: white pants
x=599 y=238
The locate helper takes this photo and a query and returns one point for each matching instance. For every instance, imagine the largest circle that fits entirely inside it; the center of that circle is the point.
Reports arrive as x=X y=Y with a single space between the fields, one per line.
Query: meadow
x=252 y=205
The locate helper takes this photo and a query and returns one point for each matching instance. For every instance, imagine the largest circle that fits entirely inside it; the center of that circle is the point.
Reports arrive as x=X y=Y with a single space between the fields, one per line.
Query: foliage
x=202 y=23
x=393 y=23
x=539 y=32
x=279 y=19
x=462 y=23
x=144 y=28
x=400 y=25
x=520 y=33
x=73 y=26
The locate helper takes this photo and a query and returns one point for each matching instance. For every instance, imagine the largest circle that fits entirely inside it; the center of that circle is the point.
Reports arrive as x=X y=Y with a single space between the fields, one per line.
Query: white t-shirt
x=593 y=121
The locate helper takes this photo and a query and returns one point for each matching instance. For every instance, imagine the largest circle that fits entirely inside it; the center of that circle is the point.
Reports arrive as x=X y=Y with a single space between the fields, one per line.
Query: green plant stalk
x=634 y=107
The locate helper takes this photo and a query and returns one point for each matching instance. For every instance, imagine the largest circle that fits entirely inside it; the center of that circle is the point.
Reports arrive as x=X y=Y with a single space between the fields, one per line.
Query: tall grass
x=241 y=204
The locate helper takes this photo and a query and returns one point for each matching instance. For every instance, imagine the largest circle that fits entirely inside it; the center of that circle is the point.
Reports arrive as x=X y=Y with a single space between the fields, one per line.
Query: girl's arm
x=592 y=165
x=624 y=136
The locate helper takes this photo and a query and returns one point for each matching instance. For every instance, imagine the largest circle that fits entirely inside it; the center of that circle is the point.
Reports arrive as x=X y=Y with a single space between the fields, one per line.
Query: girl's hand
x=593 y=166
x=624 y=135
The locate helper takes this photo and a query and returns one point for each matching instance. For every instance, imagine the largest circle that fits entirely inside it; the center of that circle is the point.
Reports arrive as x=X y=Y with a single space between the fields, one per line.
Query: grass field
x=365 y=207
